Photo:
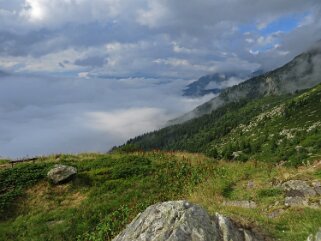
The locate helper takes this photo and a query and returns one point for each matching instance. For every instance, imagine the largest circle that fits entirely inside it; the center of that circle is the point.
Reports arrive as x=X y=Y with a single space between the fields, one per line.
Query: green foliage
x=109 y=226
x=13 y=181
x=271 y=129
x=269 y=192
x=129 y=166
x=4 y=161
x=115 y=188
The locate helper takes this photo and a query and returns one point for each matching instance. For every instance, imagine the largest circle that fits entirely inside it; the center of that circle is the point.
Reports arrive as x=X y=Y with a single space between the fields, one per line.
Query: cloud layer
x=88 y=74
x=54 y=115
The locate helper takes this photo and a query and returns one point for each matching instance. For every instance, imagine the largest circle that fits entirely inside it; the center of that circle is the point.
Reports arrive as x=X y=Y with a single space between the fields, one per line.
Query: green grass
x=110 y=190
x=12 y=183
x=230 y=181
x=3 y=161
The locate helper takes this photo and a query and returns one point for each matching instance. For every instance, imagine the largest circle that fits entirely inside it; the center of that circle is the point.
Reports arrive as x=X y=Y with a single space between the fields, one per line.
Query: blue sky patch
x=284 y=24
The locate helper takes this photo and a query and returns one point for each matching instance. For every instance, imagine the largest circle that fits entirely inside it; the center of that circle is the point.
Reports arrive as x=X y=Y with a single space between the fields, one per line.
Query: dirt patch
x=4 y=166
x=44 y=196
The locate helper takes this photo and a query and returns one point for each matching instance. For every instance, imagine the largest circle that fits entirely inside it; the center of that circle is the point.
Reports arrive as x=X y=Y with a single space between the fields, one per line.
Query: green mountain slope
x=273 y=129
x=302 y=72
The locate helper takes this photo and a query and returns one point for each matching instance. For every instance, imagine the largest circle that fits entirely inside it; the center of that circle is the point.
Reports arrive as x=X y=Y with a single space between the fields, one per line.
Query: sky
x=85 y=75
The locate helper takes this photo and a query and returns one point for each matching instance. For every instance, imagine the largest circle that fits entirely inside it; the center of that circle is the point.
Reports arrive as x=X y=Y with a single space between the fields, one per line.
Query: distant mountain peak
x=216 y=83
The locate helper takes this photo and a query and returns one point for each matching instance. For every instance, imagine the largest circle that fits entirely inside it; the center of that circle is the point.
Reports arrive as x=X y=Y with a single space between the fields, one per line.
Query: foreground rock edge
x=183 y=221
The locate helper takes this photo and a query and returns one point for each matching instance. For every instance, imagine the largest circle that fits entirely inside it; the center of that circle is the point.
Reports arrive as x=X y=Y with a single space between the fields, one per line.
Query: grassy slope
x=111 y=189
x=271 y=129
x=108 y=192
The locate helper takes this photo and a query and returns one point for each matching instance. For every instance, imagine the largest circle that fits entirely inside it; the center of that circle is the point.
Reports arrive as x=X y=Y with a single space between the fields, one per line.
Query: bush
x=14 y=180
x=270 y=192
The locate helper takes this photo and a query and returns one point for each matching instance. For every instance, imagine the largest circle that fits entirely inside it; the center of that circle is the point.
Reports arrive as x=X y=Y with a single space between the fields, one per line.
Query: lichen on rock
x=183 y=221
x=61 y=173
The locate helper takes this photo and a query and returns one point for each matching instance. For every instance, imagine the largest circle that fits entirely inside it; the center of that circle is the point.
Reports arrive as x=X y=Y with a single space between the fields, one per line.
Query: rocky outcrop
x=61 y=174
x=298 y=188
x=183 y=221
x=298 y=193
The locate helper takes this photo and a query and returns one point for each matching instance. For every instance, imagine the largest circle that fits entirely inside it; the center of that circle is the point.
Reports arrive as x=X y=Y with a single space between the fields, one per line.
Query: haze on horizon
x=85 y=75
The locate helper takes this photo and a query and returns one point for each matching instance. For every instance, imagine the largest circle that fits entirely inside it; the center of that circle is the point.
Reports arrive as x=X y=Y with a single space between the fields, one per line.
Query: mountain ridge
x=302 y=72
x=272 y=129
x=217 y=82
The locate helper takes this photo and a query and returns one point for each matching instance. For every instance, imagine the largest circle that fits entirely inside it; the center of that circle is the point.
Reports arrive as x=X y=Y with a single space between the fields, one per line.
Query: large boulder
x=183 y=221
x=61 y=174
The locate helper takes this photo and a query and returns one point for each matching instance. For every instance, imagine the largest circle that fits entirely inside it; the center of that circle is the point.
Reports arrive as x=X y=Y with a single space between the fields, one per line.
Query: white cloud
x=124 y=124
x=41 y=115
x=53 y=13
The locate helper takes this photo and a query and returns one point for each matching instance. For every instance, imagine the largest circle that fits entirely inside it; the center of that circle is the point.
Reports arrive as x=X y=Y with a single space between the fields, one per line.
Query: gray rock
x=298 y=188
x=182 y=221
x=318 y=190
x=241 y=204
x=276 y=213
x=61 y=174
x=296 y=202
x=314 y=205
x=316 y=237
x=250 y=185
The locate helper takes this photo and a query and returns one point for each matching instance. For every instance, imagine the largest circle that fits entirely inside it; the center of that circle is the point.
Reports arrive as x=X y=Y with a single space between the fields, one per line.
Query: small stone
x=276 y=213
x=316 y=184
x=318 y=190
x=250 y=185
x=316 y=237
x=241 y=204
x=295 y=201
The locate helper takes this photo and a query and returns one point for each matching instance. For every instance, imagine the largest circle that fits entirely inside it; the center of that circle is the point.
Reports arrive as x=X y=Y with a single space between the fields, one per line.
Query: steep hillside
x=272 y=129
x=302 y=72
